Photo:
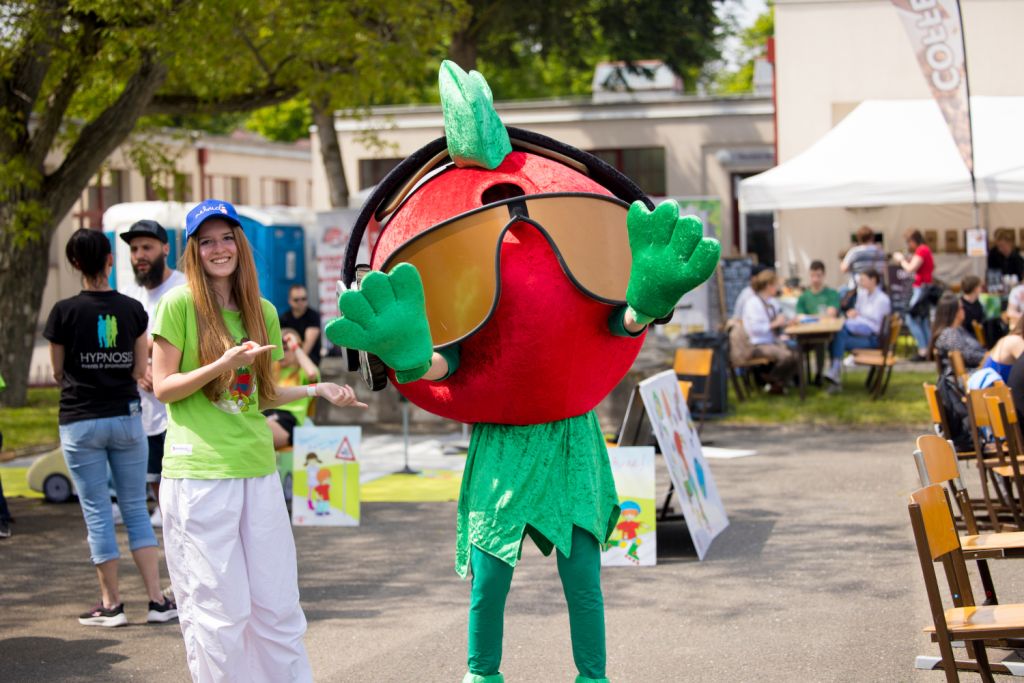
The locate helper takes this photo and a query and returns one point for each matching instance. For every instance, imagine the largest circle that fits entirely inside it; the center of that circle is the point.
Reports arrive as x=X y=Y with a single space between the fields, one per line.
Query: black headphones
x=400 y=181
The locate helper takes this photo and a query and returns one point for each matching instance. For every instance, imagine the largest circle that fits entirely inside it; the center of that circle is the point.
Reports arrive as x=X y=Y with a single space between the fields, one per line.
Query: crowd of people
x=939 y=323
x=186 y=383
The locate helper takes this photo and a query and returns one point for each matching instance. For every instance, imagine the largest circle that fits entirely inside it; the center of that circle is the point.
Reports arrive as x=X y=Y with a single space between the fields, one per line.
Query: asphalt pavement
x=816 y=579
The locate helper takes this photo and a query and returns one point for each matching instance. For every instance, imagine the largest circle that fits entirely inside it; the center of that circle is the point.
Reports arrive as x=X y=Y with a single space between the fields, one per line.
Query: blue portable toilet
x=112 y=238
x=278 y=245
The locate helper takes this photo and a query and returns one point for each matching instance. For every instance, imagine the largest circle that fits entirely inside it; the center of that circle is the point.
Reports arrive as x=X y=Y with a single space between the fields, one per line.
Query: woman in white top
x=763 y=322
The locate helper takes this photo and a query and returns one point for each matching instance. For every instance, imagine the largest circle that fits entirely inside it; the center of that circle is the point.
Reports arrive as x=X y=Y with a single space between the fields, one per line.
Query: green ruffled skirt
x=539 y=479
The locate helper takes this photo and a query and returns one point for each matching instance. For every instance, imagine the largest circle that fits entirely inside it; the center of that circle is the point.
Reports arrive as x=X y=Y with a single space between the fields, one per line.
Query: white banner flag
x=934 y=29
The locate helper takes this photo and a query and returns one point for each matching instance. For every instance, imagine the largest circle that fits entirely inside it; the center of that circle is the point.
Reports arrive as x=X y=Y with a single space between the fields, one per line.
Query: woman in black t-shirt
x=98 y=349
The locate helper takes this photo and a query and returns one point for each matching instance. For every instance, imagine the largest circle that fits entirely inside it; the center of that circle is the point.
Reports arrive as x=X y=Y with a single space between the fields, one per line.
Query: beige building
x=671 y=145
x=831 y=55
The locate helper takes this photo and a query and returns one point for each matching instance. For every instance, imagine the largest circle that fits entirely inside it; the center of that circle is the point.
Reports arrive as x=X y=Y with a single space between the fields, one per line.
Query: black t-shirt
x=1009 y=265
x=98 y=331
x=308 y=319
x=973 y=311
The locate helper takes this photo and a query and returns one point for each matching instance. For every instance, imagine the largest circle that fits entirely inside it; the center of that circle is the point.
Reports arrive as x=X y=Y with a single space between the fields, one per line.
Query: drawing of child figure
x=312 y=468
x=323 y=492
x=628 y=527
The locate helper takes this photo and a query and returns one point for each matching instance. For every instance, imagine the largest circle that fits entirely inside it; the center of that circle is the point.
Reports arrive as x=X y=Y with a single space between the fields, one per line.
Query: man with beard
x=149 y=249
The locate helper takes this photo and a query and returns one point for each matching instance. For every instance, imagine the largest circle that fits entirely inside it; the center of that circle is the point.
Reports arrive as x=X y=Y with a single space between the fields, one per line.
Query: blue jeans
x=919 y=327
x=89 y=447
x=846 y=341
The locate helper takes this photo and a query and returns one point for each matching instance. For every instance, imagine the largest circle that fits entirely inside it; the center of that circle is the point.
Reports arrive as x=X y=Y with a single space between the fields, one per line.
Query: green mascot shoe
x=477 y=678
x=584 y=679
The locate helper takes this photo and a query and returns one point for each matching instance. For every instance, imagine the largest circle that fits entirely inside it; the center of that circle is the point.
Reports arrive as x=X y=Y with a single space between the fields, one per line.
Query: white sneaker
x=832 y=377
x=849 y=362
x=117 y=513
x=156 y=519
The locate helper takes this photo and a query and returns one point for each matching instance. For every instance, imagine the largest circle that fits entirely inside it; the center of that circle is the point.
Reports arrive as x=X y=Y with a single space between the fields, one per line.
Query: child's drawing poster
x=696 y=493
x=325 y=481
x=633 y=541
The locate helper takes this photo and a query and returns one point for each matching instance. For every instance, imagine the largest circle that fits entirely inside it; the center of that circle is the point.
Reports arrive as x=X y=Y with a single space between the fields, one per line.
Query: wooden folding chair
x=976 y=625
x=979 y=332
x=937 y=464
x=1006 y=431
x=685 y=387
x=696 y=363
x=938 y=415
x=956 y=362
x=880 y=364
x=741 y=375
x=989 y=455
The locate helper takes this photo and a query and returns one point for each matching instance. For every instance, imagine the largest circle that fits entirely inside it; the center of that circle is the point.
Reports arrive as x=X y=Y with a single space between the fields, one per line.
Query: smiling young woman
x=230 y=550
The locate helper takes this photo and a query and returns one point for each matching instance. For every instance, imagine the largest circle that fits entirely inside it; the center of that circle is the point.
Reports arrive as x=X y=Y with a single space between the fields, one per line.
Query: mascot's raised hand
x=387 y=317
x=671 y=256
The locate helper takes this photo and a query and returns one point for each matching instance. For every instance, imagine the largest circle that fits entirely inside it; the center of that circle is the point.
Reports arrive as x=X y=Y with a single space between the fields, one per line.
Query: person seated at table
x=1015 y=304
x=1004 y=257
x=1006 y=351
x=866 y=254
x=763 y=322
x=974 y=312
x=948 y=335
x=818 y=299
x=747 y=292
x=863 y=323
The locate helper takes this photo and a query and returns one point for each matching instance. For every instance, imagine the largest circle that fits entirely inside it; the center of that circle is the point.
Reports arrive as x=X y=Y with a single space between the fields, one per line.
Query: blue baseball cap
x=210 y=208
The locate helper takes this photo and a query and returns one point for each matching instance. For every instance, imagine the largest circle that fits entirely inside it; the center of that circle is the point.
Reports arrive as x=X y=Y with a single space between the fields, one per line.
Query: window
x=110 y=187
x=236 y=189
x=282 y=193
x=643 y=165
x=229 y=187
x=372 y=171
x=169 y=187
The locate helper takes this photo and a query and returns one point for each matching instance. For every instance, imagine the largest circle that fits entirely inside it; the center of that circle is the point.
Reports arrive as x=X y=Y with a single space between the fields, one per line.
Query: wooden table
x=808 y=335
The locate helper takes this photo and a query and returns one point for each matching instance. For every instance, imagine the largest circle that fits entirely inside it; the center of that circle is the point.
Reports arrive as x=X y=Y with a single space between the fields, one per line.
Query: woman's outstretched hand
x=243 y=354
x=341 y=396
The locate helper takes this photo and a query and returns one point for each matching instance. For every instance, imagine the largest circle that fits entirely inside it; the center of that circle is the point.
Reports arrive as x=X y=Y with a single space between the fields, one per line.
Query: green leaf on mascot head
x=475 y=134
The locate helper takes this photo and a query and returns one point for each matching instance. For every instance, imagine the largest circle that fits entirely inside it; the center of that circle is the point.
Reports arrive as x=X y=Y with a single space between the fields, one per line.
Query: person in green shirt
x=818 y=299
x=296 y=369
x=227 y=533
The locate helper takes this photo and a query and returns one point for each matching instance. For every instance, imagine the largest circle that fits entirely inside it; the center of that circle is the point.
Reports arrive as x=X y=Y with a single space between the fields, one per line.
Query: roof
x=888 y=152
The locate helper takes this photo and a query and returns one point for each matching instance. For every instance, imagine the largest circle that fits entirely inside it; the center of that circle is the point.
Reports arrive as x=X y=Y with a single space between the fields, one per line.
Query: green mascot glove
x=671 y=256
x=387 y=316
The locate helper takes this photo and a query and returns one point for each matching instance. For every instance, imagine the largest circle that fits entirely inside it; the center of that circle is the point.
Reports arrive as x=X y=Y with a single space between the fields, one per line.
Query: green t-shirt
x=295 y=376
x=809 y=302
x=228 y=439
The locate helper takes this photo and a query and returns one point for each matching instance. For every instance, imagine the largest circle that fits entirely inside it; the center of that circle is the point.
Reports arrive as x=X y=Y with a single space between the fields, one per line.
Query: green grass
x=902 y=405
x=33 y=425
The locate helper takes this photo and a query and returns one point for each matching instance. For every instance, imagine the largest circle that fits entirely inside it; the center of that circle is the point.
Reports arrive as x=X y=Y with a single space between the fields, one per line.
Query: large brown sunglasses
x=587 y=232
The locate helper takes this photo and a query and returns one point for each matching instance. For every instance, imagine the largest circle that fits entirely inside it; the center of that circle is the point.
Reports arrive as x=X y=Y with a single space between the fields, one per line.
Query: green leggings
x=581 y=583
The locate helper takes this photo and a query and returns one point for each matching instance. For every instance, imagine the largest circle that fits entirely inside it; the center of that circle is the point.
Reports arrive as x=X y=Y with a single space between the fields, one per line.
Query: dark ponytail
x=87 y=251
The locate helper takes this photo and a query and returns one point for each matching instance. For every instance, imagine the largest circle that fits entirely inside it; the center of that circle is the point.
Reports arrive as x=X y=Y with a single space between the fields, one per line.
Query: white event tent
x=889 y=152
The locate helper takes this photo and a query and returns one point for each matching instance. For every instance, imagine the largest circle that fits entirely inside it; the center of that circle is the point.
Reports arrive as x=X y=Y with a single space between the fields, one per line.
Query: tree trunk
x=463 y=50
x=330 y=151
x=24 y=266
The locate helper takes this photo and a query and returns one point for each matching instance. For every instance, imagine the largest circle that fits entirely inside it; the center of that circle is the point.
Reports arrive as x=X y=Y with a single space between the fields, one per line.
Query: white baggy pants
x=231 y=557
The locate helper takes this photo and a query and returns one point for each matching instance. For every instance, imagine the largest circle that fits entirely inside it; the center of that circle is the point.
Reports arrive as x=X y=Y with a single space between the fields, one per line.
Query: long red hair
x=214 y=338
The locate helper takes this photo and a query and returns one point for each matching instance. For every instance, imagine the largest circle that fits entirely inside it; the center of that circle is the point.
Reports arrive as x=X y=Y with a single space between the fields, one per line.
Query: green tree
x=78 y=76
x=533 y=48
x=753 y=42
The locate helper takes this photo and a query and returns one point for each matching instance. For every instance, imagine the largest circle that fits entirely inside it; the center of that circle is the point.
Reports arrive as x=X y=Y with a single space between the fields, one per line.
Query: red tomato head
x=546 y=353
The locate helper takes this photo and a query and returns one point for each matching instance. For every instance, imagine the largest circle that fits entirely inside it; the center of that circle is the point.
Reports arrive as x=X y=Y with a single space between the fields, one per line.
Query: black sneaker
x=162 y=612
x=104 y=616
x=5 y=529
